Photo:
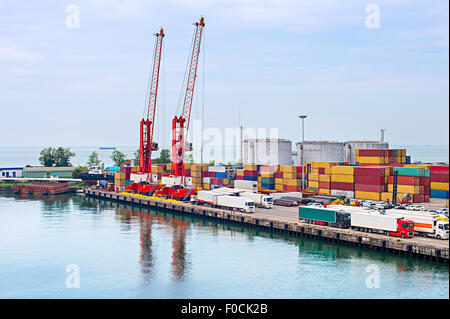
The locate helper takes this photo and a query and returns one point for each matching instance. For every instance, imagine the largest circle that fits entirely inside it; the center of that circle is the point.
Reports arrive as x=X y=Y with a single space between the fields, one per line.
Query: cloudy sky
x=272 y=60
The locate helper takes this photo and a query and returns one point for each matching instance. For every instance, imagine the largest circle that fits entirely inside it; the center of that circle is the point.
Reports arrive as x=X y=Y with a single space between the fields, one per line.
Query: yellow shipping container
x=439 y=186
x=313 y=184
x=279 y=181
x=325 y=178
x=343 y=178
x=225 y=181
x=279 y=187
x=447 y=203
x=343 y=170
x=313 y=177
x=249 y=167
x=157 y=169
x=207 y=186
x=368 y=195
x=386 y=197
x=314 y=171
x=327 y=170
x=186 y=166
x=289 y=175
x=196 y=174
x=371 y=160
x=288 y=169
x=324 y=191
x=269 y=175
x=405 y=189
x=240 y=172
x=292 y=182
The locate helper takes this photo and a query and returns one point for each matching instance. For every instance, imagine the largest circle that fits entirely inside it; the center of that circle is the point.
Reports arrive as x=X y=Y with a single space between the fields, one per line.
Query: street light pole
x=303 y=150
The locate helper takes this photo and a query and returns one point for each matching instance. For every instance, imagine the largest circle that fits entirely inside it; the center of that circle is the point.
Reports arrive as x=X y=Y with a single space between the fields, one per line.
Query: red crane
x=180 y=125
x=147 y=145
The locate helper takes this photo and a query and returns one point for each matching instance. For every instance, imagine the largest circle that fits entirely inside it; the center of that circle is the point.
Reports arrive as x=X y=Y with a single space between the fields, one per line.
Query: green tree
x=118 y=157
x=62 y=157
x=93 y=159
x=78 y=170
x=211 y=163
x=47 y=157
x=137 y=156
x=189 y=159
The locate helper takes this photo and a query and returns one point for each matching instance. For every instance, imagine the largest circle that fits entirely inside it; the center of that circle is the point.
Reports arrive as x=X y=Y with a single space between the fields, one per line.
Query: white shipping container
x=293 y=194
x=217 y=169
x=206 y=180
x=263 y=200
x=250 y=185
x=348 y=194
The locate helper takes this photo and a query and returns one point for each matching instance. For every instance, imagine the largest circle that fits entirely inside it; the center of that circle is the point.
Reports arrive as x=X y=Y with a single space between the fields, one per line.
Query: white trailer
x=374 y=221
x=262 y=200
x=241 y=203
x=224 y=199
x=251 y=186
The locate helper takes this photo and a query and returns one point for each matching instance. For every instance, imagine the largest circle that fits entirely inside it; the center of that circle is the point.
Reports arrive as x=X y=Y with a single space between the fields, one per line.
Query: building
x=332 y=151
x=268 y=151
x=11 y=172
x=42 y=171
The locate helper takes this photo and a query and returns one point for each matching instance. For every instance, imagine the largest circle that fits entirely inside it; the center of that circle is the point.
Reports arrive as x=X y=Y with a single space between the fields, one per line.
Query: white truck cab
x=441 y=231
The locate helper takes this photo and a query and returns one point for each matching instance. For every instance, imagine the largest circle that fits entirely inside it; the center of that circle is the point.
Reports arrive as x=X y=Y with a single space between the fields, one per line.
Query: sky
x=262 y=64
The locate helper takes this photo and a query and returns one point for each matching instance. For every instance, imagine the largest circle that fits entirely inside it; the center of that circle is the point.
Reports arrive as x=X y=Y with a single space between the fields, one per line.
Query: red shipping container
x=366 y=179
x=370 y=171
x=343 y=186
x=299 y=169
x=321 y=170
x=418 y=198
x=426 y=198
x=439 y=169
x=440 y=178
x=239 y=178
x=405 y=180
x=325 y=185
x=217 y=181
x=187 y=172
x=205 y=174
x=372 y=152
x=424 y=181
x=278 y=174
x=287 y=188
x=370 y=188
x=251 y=173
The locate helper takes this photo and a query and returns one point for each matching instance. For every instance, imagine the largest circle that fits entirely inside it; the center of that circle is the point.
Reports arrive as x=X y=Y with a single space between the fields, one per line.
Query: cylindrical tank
x=352 y=146
x=321 y=151
x=268 y=151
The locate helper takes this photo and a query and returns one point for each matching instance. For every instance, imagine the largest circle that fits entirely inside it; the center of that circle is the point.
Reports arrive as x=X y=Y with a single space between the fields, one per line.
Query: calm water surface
x=125 y=252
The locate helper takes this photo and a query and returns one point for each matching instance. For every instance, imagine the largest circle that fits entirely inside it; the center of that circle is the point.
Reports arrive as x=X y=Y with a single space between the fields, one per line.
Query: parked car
x=399 y=207
x=419 y=208
x=443 y=211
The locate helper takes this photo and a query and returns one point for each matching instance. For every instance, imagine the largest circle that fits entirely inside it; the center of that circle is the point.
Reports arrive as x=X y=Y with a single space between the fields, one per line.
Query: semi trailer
x=323 y=216
x=224 y=200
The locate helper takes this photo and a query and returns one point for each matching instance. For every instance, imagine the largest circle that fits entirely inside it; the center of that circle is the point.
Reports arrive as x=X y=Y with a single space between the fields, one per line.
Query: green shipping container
x=318 y=214
x=267 y=180
x=127 y=182
x=412 y=171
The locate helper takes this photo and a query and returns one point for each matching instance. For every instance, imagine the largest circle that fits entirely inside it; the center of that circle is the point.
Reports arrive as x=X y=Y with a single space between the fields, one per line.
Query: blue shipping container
x=250 y=178
x=439 y=194
x=221 y=175
x=268 y=186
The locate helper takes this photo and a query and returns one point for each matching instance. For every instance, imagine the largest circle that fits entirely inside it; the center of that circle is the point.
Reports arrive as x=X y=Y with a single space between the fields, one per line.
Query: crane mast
x=180 y=125
x=147 y=145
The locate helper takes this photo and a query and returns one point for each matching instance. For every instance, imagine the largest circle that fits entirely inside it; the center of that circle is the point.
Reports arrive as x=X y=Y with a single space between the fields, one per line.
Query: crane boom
x=180 y=125
x=147 y=125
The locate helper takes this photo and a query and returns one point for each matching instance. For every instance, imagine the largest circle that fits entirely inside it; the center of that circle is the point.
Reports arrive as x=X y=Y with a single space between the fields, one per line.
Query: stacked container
x=251 y=173
x=439 y=185
x=412 y=180
x=370 y=182
x=197 y=174
x=380 y=156
x=343 y=181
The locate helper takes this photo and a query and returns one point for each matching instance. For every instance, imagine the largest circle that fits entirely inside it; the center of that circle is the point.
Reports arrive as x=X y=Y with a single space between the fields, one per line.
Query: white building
x=11 y=172
x=267 y=151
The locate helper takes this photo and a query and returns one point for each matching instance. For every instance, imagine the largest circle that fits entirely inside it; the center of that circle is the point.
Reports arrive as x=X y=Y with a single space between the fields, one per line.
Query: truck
x=224 y=200
x=376 y=222
x=425 y=224
x=261 y=200
x=324 y=216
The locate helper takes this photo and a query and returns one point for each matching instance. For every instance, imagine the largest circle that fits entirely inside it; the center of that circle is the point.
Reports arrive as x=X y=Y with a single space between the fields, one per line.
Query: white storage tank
x=352 y=146
x=267 y=151
x=321 y=151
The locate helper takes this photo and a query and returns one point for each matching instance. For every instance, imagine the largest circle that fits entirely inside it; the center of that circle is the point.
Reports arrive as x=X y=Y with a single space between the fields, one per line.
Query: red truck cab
x=405 y=229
